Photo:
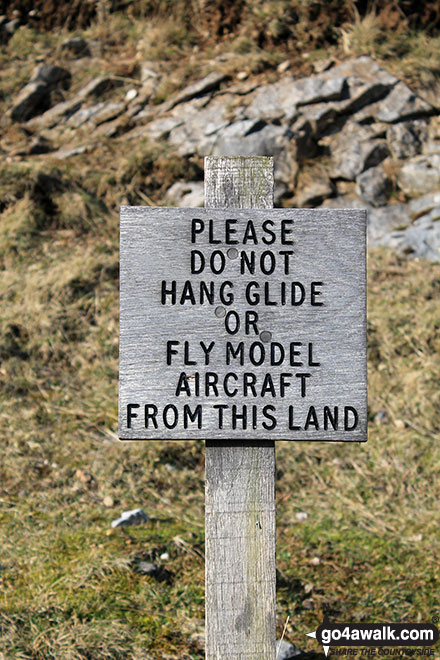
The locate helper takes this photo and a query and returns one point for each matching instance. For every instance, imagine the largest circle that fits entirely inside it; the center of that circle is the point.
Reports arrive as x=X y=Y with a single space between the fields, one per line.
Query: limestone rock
x=57 y=113
x=374 y=186
x=186 y=195
x=420 y=175
x=207 y=84
x=98 y=86
x=365 y=83
x=270 y=140
x=406 y=138
x=84 y=115
x=159 y=573
x=143 y=96
x=380 y=221
x=106 y=113
x=285 y=650
x=354 y=150
x=314 y=194
x=282 y=99
x=421 y=239
x=76 y=46
x=155 y=130
x=401 y=103
x=316 y=89
x=423 y=205
x=69 y=152
x=51 y=75
x=134 y=517
x=33 y=99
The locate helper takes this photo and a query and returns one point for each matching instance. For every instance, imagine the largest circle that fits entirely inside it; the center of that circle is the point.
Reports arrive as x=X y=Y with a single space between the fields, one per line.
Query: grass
x=68 y=585
x=69 y=588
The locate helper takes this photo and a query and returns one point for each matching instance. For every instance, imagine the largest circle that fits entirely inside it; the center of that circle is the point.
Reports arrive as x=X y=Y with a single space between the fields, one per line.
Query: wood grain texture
x=325 y=340
x=240 y=182
x=240 y=486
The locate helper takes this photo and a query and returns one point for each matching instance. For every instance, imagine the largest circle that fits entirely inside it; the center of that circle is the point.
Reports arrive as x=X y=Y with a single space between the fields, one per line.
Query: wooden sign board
x=242 y=324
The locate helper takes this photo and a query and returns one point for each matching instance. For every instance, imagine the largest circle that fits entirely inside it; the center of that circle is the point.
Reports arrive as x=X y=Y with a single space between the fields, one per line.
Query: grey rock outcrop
x=350 y=135
x=374 y=186
x=35 y=97
x=420 y=175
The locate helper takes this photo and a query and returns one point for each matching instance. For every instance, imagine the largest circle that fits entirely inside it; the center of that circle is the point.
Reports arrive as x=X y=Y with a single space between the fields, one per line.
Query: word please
x=227 y=233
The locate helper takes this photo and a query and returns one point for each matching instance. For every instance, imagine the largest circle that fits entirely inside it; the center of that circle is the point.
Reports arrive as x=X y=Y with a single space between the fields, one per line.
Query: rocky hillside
x=350 y=135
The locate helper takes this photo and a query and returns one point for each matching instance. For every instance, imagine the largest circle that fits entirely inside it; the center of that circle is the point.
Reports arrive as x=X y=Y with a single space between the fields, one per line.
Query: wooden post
x=240 y=482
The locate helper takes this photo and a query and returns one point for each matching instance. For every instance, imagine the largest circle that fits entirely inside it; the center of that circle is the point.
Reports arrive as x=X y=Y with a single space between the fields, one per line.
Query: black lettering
x=294 y=286
x=250 y=234
x=233 y=353
x=292 y=426
x=229 y=230
x=249 y=381
x=229 y=392
x=311 y=363
x=275 y=362
x=226 y=298
x=273 y=422
x=168 y=292
x=187 y=294
x=217 y=270
x=237 y=416
x=284 y=383
x=211 y=380
x=314 y=293
x=251 y=319
x=285 y=231
x=130 y=414
x=246 y=262
x=267 y=300
x=220 y=407
x=197 y=227
x=196 y=269
x=170 y=350
x=286 y=254
x=303 y=383
x=268 y=386
x=252 y=357
x=188 y=415
x=254 y=417
x=232 y=322
x=207 y=350
x=283 y=293
x=256 y=297
x=207 y=291
x=183 y=385
x=330 y=418
x=212 y=240
x=347 y=426
x=150 y=414
x=312 y=419
x=186 y=359
x=267 y=269
x=268 y=241
x=175 y=416
x=294 y=353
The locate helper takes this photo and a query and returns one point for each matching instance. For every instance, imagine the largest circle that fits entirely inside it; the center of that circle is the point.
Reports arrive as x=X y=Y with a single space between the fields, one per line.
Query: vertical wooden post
x=240 y=482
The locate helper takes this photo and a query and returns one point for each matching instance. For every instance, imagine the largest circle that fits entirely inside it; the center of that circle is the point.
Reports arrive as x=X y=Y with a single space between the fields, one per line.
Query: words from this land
x=242 y=325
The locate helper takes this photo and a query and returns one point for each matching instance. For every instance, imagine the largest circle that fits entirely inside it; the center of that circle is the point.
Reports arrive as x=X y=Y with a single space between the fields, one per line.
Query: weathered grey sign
x=242 y=324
